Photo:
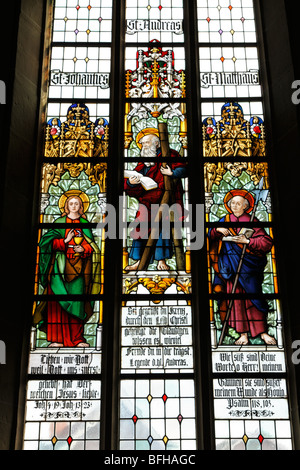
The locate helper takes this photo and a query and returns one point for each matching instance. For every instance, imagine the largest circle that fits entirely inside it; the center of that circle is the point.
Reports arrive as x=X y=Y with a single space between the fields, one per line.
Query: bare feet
x=55 y=345
x=268 y=339
x=132 y=267
x=83 y=345
x=243 y=340
x=162 y=266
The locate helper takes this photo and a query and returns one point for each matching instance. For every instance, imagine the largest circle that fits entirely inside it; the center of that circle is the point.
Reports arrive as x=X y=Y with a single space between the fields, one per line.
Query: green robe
x=52 y=273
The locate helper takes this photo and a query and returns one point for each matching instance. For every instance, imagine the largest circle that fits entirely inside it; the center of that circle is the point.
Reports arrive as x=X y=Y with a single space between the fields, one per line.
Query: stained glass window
x=162 y=20
x=63 y=404
x=157 y=313
x=157 y=415
x=248 y=351
x=226 y=21
x=126 y=101
x=82 y=21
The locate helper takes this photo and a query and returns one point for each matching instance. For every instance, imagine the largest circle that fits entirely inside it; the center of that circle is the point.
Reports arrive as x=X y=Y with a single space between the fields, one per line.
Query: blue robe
x=225 y=257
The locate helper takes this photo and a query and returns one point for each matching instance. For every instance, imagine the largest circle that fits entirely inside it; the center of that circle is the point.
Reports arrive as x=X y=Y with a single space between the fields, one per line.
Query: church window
x=156 y=275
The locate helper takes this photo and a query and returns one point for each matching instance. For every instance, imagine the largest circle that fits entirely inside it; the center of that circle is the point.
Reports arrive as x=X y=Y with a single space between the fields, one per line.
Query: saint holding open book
x=146 y=184
x=248 y=316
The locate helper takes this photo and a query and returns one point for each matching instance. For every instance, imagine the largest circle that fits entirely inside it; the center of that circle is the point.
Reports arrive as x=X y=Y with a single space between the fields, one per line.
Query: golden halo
x=239 y=192
x=71 y=193
x=144 y=132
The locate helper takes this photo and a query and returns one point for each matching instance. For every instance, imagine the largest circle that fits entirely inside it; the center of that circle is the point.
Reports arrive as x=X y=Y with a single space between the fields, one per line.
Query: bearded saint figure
x=149 y=143
x=66 y=269
x=248 y=316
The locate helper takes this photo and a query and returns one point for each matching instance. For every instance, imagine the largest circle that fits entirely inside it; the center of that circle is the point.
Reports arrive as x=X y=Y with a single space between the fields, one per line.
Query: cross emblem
x=78 y=109
x=232 y=108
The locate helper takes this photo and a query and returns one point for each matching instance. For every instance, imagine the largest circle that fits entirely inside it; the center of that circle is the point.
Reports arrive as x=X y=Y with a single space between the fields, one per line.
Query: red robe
x=245 y=316
x=154 y=196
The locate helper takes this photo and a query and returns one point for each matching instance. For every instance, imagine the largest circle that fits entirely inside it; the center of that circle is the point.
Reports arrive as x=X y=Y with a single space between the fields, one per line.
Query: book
x=146 y=182
x=248 y=232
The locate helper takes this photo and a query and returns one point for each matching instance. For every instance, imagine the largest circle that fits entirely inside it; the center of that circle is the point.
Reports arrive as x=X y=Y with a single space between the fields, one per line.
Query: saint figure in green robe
x=69 y=266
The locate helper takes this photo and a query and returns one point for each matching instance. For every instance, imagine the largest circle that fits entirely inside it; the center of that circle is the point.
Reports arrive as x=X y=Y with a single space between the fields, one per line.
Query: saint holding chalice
x=68 y=265
x=78 y=239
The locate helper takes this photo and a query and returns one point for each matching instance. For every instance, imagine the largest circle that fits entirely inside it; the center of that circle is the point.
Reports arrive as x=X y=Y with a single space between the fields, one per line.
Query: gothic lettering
x=79 y=79
x=135 y=26
x=229 y=78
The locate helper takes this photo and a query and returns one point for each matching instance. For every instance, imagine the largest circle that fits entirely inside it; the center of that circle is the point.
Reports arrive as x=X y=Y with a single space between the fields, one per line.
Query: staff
x=261 y=195
x=167 y=199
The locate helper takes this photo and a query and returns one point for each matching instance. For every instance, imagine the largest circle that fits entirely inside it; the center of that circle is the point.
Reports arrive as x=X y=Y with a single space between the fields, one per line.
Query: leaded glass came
x=118 y=335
